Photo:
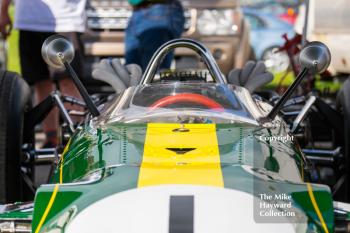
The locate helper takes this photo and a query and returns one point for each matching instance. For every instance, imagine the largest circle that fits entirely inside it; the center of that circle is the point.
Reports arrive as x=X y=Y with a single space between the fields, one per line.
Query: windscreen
x=182 y=103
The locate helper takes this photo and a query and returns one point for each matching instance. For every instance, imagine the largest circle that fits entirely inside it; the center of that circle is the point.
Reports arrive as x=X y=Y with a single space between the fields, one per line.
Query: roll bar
x=185 y=43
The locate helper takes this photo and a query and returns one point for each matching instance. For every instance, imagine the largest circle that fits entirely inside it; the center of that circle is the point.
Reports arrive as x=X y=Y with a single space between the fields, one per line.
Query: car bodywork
x=111 y=157
x=266 y=37
x=107 y=20
x=266 y=31
x=284 y=10
x=197 y=156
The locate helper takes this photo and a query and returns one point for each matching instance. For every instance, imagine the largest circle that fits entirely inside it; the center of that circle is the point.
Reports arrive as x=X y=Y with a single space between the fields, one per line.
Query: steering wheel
x=187 y=98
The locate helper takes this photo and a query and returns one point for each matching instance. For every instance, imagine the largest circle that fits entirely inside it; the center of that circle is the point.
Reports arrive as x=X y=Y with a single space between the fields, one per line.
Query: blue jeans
x=151 y=27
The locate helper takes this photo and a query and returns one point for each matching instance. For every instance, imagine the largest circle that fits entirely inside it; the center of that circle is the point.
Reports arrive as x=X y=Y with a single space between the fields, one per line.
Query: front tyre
x=15 y=100
x=343 y=102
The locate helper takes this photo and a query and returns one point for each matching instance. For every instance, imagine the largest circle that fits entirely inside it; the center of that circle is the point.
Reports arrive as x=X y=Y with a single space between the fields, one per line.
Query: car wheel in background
x=252 y=55
x=343 y=102
x=3 y=55
x=15 y=100
x=276 y=61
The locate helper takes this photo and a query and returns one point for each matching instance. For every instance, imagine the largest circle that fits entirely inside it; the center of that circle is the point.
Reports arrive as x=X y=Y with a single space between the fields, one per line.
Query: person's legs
x=177 y=19
x=149 y=43
x=66 y=84
x=155 y=26
x=43 y=89
x=132 y=45
x=68 y=88
x=35 y=72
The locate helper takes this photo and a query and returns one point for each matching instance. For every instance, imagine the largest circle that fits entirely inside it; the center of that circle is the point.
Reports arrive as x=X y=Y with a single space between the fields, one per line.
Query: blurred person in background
x=153 y=23
x=36 y=20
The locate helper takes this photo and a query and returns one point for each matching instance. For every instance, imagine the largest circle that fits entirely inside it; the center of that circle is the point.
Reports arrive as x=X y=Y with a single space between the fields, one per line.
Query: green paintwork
x=17 y=214
x=116 y=144
x=249 y=163
x=239 y=145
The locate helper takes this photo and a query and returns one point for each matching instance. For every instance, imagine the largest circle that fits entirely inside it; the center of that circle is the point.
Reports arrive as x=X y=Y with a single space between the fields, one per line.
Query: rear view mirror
x=315 y=57
x=57 y=50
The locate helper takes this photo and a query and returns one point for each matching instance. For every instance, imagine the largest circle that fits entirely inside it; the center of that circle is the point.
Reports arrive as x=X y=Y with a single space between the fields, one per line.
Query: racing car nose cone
x=167 y=208
x=315 y=56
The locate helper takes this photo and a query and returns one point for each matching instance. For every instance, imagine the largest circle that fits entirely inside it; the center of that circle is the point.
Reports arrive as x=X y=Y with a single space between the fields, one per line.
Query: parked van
x=328 y=21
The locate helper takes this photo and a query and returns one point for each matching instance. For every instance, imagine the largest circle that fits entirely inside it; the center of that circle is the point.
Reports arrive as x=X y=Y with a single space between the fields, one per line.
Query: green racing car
x=178 y=151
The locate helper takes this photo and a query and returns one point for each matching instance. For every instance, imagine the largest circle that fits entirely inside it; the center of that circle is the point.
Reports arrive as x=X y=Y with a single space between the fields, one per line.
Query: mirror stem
x=83 y=92
x=287 y=95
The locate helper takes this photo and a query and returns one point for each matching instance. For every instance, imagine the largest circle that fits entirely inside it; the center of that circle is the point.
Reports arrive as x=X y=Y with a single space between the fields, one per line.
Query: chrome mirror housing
x=56 y=50
x=315 y=56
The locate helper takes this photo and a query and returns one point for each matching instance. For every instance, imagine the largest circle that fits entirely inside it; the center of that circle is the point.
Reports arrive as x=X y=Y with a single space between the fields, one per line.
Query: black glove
x=118 y=76
x=252 y=76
